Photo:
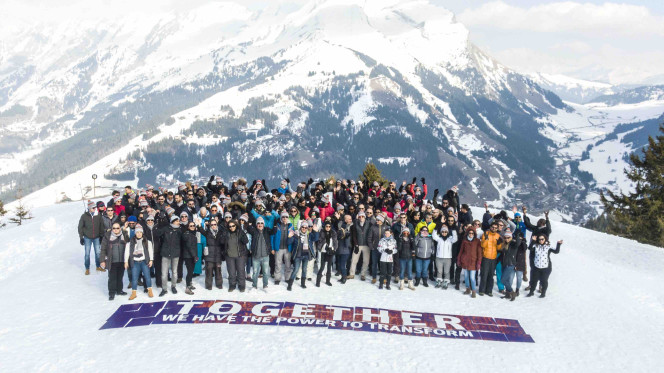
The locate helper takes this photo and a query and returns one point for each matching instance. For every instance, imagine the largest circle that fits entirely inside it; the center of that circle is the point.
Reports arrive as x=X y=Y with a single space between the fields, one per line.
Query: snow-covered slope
x=600 y=314
x=571 y=89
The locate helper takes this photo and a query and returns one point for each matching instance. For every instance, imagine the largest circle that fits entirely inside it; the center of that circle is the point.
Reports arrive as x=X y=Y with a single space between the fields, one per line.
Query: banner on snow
x=367 y=319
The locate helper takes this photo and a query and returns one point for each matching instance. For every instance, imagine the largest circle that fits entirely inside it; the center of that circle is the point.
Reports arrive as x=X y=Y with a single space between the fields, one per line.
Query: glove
x=388 y=251
x=287 y=180
x=414 y=180
x=423 y=181
x=82 y=241
x=211 y=177
x=310 y=181
x=357 y=250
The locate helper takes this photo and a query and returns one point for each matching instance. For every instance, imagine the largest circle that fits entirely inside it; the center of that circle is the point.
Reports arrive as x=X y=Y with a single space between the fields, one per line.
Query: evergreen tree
x=21 y=211
x=371 y=173
x=639 y=214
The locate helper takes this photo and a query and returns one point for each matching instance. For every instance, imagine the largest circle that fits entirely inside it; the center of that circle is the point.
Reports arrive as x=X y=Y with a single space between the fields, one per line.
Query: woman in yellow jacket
x=490 y=248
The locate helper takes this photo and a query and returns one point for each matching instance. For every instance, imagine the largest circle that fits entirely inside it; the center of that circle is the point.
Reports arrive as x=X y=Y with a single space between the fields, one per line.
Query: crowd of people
x=388 y=233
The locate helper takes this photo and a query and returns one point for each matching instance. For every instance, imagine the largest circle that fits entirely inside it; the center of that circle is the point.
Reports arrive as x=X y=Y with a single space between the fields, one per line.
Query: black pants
x=541 y=275
x=396 y=266
x=189 y=262
x=455 y=271
x=325 y=261
x=115 y=274
x=486 y=276
x=212 y=270
x=236 y=272
x=432 y=268
x=385 y=271
x=180 y=268
x=272 y=264
x=156 y=264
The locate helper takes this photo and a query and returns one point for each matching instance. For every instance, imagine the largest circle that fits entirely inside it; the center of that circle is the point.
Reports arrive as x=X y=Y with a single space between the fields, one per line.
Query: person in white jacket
x=387 y=247
x=444 y=255
x=138 y=255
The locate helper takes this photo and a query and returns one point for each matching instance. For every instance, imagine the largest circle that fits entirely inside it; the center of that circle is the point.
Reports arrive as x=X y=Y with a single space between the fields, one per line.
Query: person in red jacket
x=470 y=259
x=327 y=209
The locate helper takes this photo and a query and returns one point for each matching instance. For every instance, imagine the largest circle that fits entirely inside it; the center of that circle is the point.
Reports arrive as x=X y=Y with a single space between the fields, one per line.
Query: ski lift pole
x=94 y=185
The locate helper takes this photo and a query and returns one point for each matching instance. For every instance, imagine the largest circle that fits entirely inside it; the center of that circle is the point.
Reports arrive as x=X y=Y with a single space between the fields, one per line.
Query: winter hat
x=259 y=182
x=284 y=214
x=260 y=203
x=139 y=228
x=150 y=217
x=262 y=194
x=304 y=224
x=260 y=220
x=444 y=229
x=149 y=187
x=116 y=199
x=325 y=199
x=316 y=209
x=409 y=198
x=310 y=222
x=143 y=203
x=517 y=215
x=174 y=218
x=132 y=219
x=380 y=218
x=282 y=198
x=361 y=214
x=101 y=206
x=170 y=210
x=450 y=209
x=244 y=217
x=132 y=195
x=340 y=207
x=375 y=183
x=181 y=187
x=184 y=214
x=227 y=200
x=243 y=195
x=91 y=205
x=228 y=215
x=507 y=233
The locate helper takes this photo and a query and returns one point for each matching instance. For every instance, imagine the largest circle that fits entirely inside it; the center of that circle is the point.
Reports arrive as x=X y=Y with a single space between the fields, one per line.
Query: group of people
x=344 y=228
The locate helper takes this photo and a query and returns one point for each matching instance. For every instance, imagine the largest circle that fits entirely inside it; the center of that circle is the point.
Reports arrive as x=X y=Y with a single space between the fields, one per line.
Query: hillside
x=603 y=302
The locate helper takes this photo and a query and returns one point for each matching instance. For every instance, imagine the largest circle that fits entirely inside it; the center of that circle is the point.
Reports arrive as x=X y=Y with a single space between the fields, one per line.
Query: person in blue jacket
x=283 y=235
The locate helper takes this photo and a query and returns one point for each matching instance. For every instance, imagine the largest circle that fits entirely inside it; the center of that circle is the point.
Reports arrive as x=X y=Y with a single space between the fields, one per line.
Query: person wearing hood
x=90 y=229
x=112 y=259
x=424 y=248
x=138 y=254
x=303 y=252
x=327 y=246
x=235 y=251
x=443 y=255
x=470 y=259
x=387 y=246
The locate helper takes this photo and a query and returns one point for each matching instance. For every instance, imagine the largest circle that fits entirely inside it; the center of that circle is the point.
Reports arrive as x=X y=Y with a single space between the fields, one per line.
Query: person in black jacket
x=90 y=229
x=540 y=252
x=261 y=246
x=213 y=253
x=235 y=252
x=509 y=248
x=190 y=254
x=327 y=245
x=171 y=243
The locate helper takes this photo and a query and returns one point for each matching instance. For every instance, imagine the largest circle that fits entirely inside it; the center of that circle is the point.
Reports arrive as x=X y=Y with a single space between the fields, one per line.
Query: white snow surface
x=590 y=321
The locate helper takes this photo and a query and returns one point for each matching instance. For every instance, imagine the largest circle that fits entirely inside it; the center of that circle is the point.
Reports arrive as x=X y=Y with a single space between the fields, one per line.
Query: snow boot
x=179 y=280
x=174 y=290
x=343 y=279
x=373 y=280
x=121 y=292
x=410 y=285
x=424 y=282
x=543 y=294
x=472 y=295
x=231 y=288
x=467 y=291
x=150 y=293
x=188 y=291
x=506 y=296
x=87 y=272
x=517 y=292
x=445 y=284
x=133 y=295
x=512 y=296
x=363 y=278
x=417 y=282
x=99 y=269
x=350 y=277
x=328 y=283
x=396 y=279
x=276 y=282
x=380 y=286
x=111 y=296
x=439 y=283
x=387 y=284
x=456 y=286
x=318 y=282
x=303 y=283
x=163 y=292
x=400 y=284
x=290 y=285
x=530 y=294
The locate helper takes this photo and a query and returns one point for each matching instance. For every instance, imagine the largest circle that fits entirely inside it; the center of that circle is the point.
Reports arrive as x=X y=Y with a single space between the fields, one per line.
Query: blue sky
x=613 y=42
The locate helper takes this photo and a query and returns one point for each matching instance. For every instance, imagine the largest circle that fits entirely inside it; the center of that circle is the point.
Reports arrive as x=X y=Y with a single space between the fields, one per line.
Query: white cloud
x=613 y=18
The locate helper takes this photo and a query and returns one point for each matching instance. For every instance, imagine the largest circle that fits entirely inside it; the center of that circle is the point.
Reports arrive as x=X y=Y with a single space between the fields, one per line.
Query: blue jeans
x=470 y=276
x=406 y=268
x=259 y=263
x=343 y=264
x=422 y=267
x=519 y=278
x=139 y=267
x=89 y=242
x=375 y=258
x=499 y=276
x=508 y=277
x=300 y=262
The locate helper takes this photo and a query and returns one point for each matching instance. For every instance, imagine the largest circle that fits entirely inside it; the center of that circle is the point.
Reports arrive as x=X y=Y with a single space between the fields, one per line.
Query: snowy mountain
x=632 y=96
x=308 y=90
x=571 y=89
x=43 y=260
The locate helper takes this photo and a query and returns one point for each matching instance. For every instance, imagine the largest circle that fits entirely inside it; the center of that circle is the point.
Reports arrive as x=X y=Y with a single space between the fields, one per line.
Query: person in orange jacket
x=490 y=248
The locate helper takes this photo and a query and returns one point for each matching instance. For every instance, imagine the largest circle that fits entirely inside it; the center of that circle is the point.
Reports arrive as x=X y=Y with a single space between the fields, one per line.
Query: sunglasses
x=116 y=228
x=231 y=226
x=192 y=226
x=214 y=225
x=259 y=224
